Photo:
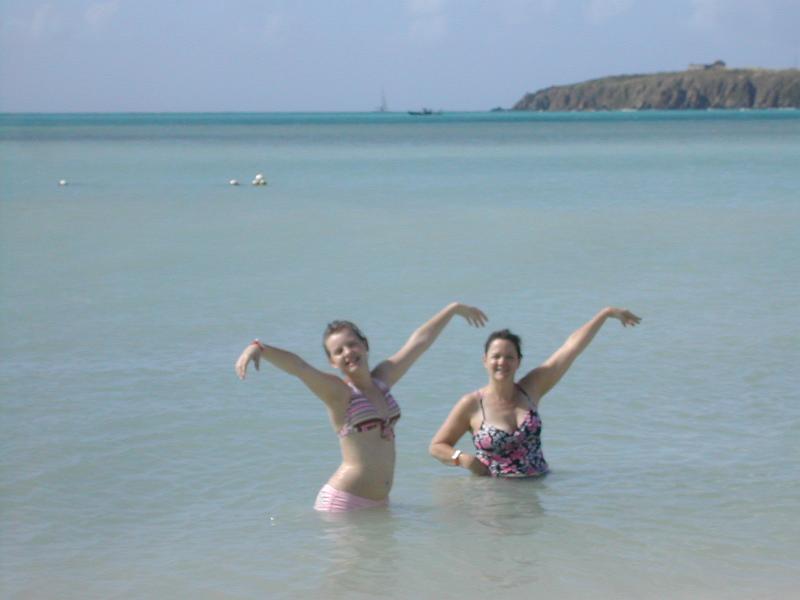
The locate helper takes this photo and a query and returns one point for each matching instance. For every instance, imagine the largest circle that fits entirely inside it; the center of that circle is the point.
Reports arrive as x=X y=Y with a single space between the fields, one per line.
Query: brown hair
x=336 y=327
x=504 y=334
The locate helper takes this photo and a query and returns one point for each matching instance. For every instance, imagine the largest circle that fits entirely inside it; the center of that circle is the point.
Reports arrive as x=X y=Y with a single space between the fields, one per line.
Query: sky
x=342 y=55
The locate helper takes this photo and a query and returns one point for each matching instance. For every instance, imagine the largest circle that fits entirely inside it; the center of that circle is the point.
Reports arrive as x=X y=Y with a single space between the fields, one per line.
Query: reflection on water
x=498 y=521
x=477 y=526
x=500 y=506
x=362 y=552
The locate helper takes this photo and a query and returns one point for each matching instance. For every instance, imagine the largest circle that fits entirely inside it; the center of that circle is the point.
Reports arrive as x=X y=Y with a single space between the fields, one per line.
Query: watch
x=454 y=457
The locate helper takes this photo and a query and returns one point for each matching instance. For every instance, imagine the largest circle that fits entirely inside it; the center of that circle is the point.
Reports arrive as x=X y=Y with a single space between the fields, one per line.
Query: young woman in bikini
x=360 y=405
x=503 y=416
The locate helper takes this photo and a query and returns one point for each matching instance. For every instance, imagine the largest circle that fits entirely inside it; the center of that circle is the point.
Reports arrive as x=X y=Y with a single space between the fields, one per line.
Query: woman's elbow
x=432 y=449
x=435 y=449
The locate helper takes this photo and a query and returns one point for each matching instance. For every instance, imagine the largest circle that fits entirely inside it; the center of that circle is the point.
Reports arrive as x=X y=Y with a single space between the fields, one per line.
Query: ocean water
x=134 y=463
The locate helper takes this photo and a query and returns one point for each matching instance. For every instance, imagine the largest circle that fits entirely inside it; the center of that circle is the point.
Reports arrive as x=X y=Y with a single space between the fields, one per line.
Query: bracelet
x=257 y=342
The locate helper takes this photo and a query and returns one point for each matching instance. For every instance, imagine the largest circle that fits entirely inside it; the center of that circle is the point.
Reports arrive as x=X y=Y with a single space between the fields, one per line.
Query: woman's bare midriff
x=367 y=468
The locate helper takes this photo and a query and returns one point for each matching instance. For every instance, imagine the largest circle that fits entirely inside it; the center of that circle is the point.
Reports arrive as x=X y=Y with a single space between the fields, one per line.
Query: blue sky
x=337 y=55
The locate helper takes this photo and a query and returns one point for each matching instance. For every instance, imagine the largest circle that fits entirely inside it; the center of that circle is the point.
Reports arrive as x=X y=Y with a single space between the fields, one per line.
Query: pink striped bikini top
x=361 y=413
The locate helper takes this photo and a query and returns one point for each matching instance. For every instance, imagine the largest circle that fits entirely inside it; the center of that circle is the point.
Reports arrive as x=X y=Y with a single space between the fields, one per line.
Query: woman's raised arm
x=542 y=379
x=392 y=369
x=329 y=388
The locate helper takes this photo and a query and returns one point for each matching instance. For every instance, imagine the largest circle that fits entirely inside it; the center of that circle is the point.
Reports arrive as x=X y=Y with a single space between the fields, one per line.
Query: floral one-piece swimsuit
x=511 y=454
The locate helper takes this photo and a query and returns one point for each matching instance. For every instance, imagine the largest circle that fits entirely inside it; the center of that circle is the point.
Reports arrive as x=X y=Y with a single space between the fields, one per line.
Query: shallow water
x=135 y=464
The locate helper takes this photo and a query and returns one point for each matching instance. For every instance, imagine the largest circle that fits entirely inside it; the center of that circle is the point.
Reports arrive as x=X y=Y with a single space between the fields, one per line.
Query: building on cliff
x=718 y=64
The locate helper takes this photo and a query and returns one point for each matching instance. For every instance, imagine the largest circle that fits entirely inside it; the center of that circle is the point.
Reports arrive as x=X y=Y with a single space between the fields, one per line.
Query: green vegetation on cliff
x=693 y=89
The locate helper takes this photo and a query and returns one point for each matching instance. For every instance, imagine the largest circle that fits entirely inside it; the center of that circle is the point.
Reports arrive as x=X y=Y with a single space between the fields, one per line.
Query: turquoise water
x=134 y=464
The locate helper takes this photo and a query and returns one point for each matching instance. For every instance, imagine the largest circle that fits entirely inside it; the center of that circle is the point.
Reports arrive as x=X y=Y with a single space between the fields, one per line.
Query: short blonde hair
x=336 y=327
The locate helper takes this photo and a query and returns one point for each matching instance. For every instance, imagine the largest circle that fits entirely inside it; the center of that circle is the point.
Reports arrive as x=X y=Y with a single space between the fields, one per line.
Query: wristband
x=454 y=457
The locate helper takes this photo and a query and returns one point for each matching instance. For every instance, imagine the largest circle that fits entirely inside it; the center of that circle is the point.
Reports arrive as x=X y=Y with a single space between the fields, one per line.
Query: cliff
x=693 y=89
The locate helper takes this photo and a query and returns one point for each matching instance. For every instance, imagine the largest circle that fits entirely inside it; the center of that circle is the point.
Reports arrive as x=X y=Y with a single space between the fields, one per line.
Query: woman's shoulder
x=470 y=401
x=346 y=390
x=474 y=394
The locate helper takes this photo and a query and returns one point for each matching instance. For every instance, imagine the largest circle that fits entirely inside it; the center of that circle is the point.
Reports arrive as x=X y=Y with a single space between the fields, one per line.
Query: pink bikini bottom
x=330 y=499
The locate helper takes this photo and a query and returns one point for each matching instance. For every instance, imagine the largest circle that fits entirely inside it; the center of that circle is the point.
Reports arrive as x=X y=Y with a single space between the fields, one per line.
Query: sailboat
x=384 y=107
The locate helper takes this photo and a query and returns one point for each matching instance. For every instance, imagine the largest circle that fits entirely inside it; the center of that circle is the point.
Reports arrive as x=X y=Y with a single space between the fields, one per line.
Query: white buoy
x=62 y=182
x=259 y=180
x=234 y=182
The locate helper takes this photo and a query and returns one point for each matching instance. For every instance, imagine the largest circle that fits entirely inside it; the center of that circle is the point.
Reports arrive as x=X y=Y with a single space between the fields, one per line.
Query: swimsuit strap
x=517 y=386
x=524 y=393
x=480 y=402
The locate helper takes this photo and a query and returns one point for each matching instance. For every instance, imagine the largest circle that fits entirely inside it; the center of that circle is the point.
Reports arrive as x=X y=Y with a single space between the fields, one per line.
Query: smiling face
x=346 y=351
x=501 y=360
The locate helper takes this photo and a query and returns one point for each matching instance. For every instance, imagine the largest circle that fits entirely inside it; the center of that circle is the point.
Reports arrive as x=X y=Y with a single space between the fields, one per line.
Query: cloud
x=705 y=14
x=50 y=20
x=426 y=7
x=45 y=21
x=518 y=12
x=429 y=30
x=99 y=13
x=428 y=20
x=41 y=23
x=275 y=26
x=725 y=15
x=598 y=11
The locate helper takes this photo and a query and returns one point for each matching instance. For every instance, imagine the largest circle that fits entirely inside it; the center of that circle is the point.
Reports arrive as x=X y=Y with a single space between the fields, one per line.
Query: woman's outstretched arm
x=329 y=388
x=542 y=379
x=392 y=369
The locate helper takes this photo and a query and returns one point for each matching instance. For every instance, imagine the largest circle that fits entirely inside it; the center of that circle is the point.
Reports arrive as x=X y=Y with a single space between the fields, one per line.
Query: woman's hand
x=625 y=316
x=472 y=464
x=473 y=316
x=251 y=353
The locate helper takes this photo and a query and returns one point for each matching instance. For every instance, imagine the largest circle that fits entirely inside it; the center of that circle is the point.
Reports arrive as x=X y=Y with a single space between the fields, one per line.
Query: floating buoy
x=234 y=182
x=62 y=182
x=259 y=180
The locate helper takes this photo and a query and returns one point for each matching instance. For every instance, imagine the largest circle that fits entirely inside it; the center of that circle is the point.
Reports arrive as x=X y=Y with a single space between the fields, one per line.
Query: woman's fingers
x=241 y=364
x=473 y=316
x=628 y=318
x=476 y=317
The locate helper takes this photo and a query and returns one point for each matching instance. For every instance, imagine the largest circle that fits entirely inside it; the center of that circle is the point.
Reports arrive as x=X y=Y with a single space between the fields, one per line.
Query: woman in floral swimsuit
x=502 y=416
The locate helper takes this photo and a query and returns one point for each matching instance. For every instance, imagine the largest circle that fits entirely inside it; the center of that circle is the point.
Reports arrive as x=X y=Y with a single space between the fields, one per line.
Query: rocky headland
x=701 y=87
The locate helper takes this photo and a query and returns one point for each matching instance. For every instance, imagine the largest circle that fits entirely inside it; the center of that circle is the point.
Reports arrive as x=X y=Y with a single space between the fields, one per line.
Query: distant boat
x=425 y=112
x=384 y=107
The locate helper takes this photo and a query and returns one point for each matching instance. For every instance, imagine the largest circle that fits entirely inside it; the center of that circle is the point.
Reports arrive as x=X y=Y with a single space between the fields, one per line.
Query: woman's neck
x=504 y=392
x=361 y=378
